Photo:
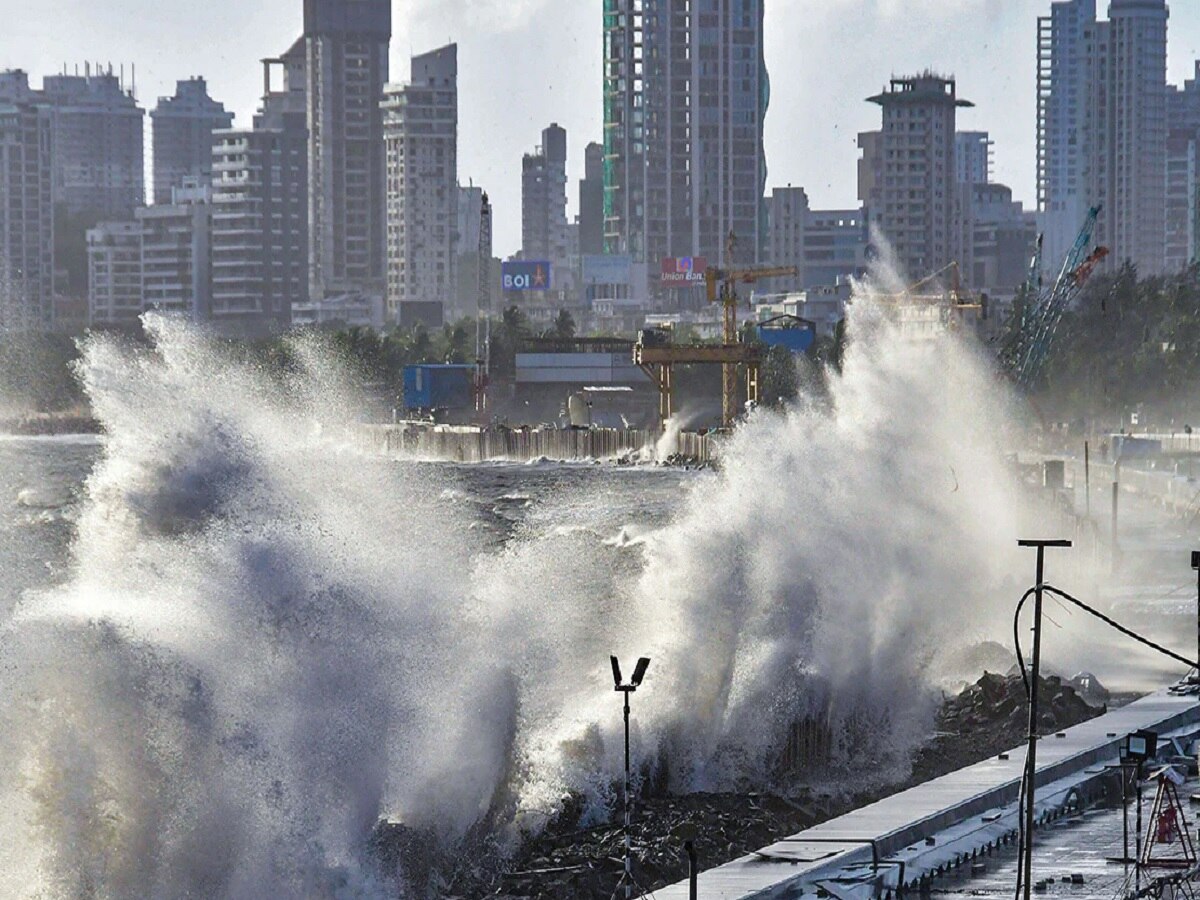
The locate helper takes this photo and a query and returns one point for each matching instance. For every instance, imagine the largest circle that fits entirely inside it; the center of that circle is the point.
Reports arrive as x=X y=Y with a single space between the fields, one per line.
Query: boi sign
x=522 y=275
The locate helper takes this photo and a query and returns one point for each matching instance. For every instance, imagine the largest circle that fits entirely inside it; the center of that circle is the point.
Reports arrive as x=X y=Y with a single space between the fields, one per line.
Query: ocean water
x=231 y=644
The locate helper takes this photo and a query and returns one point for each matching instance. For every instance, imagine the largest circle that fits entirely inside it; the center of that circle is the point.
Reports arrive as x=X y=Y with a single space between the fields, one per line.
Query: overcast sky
x=526 y=63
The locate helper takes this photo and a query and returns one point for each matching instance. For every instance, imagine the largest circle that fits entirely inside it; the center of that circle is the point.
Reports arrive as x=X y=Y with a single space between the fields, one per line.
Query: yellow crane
x=722 y=288
x=658 y=357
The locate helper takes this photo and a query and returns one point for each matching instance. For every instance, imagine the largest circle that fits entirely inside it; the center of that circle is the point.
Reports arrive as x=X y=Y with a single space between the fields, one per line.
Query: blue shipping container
x=438 y=387
x=796 y=334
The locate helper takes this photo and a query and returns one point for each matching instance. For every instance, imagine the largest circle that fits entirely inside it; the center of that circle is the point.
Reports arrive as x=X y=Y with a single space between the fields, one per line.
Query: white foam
x=270 y=642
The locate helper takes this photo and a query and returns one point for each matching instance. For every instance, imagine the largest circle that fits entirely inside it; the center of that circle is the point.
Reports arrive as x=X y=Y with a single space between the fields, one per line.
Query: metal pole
x=1087 y=480
x=1198 y=624
x=1125 y=817
x=1137 y=863
x=693 y=870
x=1031 y=756
x=628 y=838
x=1116 y=488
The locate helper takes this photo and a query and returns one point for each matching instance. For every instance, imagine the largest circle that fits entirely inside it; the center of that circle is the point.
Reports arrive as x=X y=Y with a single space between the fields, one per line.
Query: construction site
x=627 y=393
x=1033 y=784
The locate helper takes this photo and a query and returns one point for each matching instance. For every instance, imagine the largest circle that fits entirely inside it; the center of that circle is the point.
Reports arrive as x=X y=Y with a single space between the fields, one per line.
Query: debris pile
x=991 y=717
x=588 y=863
x=565 y=860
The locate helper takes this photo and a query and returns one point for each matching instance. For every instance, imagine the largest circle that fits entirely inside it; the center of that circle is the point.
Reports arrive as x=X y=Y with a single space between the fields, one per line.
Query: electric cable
x=1107 y=620
x=1113 y=623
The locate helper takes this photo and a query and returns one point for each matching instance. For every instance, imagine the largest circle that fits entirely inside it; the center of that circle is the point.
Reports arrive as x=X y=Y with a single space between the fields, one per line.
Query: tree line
x=1126 y=344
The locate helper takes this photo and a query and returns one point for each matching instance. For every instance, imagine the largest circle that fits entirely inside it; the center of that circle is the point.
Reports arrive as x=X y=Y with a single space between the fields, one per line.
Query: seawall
x=470 y=444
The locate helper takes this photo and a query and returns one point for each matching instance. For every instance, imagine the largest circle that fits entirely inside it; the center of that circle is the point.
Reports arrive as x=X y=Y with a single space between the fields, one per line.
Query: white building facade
x=421 y=139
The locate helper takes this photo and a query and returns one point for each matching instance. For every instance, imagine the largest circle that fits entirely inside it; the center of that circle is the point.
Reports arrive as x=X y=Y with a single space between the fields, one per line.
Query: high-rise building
x=1183 y=188
x=470 y=217
x=787 y=215
x=260 y=209
x=26 y=218
x=182 y=127
x=346 y=54
x=870 y=169
x=177 y=251
x=1183 y=173
x=685 y=99
x=1102 y=127
x=915 y=208
x=544 y=197
x=474 y=253
x=114 y=273
x=973 y=157
x=421 y=134
x=1183 y=104
x=99 y=159
x=1130 y=180
x=1066 y=75
x=544 y=226
x=999 y=238
x=591 y=202
x=827 y=246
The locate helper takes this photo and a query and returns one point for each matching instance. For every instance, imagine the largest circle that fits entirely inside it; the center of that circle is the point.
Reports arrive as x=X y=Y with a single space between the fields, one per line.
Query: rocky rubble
x=992 y=716
x=566 y=861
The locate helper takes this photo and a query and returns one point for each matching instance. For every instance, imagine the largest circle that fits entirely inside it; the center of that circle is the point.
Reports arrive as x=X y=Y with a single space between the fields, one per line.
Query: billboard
x=522 y=275
x=607 y=269
x=683 y=271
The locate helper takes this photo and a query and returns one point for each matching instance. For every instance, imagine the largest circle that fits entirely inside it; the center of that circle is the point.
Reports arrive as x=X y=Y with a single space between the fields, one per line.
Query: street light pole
x=1031 y=756
x=628 y=834
x=1196 y=566
x=635 y=681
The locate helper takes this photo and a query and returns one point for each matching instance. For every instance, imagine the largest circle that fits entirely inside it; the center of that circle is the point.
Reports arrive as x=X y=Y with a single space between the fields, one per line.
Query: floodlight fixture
x=639 y=672
x=1139 y=746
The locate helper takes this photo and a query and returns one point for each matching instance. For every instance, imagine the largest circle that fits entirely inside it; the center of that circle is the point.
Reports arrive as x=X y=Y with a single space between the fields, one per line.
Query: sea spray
x=293 y=613
x=270 y=642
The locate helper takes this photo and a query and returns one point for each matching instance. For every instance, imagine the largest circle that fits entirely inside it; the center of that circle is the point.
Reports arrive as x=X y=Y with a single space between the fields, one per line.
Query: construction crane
x=722 y=285
x=483 y=316
x=928 y=307
x=657 y=356
x=1025 y=353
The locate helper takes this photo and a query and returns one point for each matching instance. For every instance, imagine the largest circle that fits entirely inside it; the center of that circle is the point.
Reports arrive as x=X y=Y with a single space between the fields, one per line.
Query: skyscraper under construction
x=685 y=97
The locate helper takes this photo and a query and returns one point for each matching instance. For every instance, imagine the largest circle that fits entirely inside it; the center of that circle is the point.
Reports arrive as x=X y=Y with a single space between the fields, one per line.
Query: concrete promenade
x=938 y=826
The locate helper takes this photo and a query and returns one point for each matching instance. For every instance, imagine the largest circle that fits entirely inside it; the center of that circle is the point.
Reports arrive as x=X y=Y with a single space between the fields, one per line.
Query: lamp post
x=1026 y=864
x=1136 y=748
x=1196 y=566
x=639 y=672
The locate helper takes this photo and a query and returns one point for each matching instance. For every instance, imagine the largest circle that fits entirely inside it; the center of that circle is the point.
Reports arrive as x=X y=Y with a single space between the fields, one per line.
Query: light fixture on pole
x=1196 y=566
x=1137 y=748
x=639 y=672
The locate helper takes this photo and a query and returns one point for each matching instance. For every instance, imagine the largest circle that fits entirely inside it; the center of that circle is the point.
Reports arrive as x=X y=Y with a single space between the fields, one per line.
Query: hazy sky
x=526 y=63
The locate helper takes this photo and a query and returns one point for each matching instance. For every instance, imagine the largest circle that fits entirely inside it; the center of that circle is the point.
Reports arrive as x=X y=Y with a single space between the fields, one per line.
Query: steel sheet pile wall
x=471 y=445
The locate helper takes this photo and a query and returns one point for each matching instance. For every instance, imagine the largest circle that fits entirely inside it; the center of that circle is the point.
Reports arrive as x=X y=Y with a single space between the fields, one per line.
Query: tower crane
x=721 y=285
x=658 y=357
x=483 y=313
x=1024 y=355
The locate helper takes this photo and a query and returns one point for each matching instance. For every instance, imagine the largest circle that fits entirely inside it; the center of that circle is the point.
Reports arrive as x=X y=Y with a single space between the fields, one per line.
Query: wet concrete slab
x=961 y=813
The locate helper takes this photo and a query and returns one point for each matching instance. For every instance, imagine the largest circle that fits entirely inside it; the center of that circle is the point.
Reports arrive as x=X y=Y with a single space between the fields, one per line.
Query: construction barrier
x=473 y=445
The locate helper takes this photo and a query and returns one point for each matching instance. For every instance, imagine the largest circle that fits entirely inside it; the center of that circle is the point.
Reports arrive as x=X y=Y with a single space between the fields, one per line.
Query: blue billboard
x=523 y=275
